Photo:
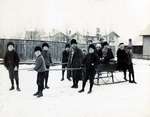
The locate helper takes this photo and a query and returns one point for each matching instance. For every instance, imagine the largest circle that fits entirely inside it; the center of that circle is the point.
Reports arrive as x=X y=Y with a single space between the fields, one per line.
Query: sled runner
x=105 y=74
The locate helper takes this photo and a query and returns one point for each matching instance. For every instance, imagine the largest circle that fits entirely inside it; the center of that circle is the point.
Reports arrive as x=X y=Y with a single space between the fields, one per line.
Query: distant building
x=59 y=37
x=32 y=35
x=146 y=43
x=113 y=39
x=79 y=37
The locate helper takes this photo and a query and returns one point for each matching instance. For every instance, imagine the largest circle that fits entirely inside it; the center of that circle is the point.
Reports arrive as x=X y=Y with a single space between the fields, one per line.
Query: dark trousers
x=76 y=75
x=40 y=81
x=68 y=71
x=46 y=76
x=131 y=72
x=88 y=76
x=125 y=73
x=13 y=75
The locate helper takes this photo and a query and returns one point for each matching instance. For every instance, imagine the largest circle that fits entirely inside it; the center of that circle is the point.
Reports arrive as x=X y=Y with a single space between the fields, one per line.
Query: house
x=113 y=39
x=146 y=42
x=32 y=35
x=59 y=37
x=79 y=37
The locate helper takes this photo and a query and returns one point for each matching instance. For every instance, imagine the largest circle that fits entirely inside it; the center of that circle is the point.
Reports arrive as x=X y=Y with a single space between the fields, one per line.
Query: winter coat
x=90 y=62
x=11 y=59
x=47 y=57
x=40 y=64
x=75 y=61
x=99 y=53
x=129 y=55
x=75 y=58
x=107 y=55
x=65 y=56
x=122 y=59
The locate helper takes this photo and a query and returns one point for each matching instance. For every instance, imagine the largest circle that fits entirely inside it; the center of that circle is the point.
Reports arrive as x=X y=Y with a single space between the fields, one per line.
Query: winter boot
x=12 y=88
x=40 y=95
x=82 y=90
x=35 y=94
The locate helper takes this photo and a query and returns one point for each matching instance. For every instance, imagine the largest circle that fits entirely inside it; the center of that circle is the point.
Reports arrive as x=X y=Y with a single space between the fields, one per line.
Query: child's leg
x=125 y=72
x=132 y=73
x=63 y=72
x=129 y=69
x=84 y=83
x=16 y=78
x=46 y=77
x=41 y=81
x=38 y=82
x=11 y=76
x=91 y=83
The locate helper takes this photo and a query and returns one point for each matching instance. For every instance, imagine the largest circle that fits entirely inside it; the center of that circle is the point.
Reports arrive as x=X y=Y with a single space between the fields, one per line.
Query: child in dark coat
x=11 y=62
x=90 y=62
x=122 y=60
x=130 y=65
x=48 y=60
x=65 y=57
x=40 y=68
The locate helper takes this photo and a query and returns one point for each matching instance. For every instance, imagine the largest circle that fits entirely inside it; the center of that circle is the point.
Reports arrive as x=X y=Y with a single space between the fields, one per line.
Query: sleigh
x=106 y=74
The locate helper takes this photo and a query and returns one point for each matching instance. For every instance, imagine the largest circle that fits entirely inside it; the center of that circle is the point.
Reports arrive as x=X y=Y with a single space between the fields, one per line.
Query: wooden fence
x=25 y=48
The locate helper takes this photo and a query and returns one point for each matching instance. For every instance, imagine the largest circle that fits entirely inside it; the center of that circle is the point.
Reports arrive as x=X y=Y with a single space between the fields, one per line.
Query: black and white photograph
x=74 y=58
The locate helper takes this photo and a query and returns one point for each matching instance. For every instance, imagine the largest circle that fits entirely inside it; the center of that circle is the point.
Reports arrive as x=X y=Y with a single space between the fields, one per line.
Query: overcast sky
x=127 y=17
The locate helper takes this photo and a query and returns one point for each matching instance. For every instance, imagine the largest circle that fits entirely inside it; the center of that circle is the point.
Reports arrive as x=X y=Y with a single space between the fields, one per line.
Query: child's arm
x=50 y=58
x=6 y=61
x=17 y=60
x=38 y=64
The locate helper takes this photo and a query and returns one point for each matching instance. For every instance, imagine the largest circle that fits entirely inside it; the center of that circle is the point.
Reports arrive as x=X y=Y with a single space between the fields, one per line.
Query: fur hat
x=92 y=46
x=45 y=44
x=67 y=45
x=37 y=48
x=10 y=43
x=105 y=43
x=73 y=41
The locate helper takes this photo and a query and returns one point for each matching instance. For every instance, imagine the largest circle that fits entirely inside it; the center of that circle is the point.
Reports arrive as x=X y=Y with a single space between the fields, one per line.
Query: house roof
x=76 y=33
x=59 y=33
x=113 y=33
x=146 y=32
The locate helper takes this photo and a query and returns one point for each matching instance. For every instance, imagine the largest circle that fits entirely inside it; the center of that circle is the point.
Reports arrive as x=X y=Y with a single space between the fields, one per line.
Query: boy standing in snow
x=11 y=62
x=130 y=65
x=74 y=61
x=40 y=68
x=47 y=57
x=90 y=62
x=65 y=56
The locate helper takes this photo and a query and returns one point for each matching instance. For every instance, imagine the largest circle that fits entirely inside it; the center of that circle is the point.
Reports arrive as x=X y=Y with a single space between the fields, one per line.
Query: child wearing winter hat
x=90 y=62
x=48 y=61
x=40 y=68
x=11 y=62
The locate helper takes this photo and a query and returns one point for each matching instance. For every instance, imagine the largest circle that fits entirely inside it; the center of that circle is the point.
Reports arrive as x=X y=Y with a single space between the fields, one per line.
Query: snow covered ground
x=116 y=100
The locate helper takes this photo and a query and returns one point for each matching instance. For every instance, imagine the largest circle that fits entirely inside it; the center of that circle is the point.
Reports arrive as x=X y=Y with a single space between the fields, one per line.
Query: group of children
x=72 y=57
x=124 y=61
x=42 y=64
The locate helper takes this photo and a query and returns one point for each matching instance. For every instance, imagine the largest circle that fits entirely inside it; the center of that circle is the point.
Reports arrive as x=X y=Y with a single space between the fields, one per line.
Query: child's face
x=45 y=48
x=121 y=46
x=10 y=47
x=98 y=46
x=91 y=50
x=84 y=52
x=67 y=49
x=37 y=53
x=74 y=46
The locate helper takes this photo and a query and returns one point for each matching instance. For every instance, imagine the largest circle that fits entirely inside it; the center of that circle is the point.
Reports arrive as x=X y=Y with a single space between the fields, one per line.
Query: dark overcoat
x=122 y=60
